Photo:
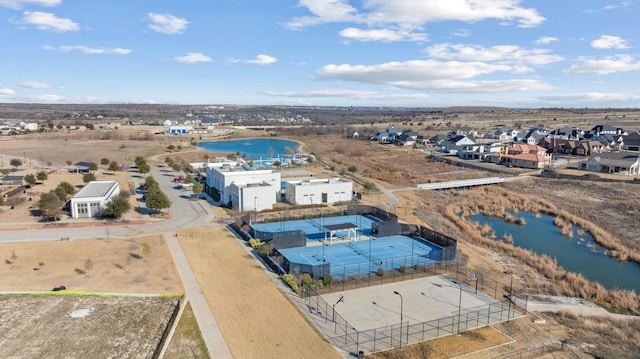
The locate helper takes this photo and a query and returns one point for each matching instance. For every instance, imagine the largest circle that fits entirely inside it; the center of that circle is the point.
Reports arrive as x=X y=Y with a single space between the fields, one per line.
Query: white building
x=29 y=126
x=178 y=130
x=316 y=191
x=245 y=188
x=93 y=198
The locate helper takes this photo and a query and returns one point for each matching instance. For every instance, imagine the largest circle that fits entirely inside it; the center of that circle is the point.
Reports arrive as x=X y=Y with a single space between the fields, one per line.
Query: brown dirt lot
x=68 y=326
x=255 y=317
x=108 y=264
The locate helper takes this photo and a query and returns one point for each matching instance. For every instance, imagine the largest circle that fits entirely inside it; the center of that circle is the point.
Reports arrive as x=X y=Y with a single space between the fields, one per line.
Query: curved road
x=186 y=214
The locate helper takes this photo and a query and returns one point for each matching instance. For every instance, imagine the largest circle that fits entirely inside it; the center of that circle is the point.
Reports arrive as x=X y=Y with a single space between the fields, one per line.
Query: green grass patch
x=187 y=340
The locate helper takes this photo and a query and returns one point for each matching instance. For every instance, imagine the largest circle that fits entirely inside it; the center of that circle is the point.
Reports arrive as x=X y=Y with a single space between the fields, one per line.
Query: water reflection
x=576 y=252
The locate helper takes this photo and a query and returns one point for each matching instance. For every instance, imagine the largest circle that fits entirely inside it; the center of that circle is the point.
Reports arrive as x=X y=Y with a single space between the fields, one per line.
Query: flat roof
x=340 y=227
x=95 y=189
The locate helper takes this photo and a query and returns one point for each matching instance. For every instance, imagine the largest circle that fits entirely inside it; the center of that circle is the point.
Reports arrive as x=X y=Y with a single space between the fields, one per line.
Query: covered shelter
x=332 y=229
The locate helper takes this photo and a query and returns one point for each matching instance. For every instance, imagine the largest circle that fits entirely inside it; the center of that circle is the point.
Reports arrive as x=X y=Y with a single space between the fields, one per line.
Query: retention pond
x=577 y=253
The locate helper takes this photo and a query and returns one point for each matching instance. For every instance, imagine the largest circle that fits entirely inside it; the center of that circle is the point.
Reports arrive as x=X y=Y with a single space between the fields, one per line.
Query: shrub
x=288 y=278
x=403 y=268
x=327 y=280
x=380 y=272
x=255 y=243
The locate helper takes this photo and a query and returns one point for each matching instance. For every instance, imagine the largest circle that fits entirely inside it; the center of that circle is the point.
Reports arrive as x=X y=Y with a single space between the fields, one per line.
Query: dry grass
x=560 y=282
x=447 y=347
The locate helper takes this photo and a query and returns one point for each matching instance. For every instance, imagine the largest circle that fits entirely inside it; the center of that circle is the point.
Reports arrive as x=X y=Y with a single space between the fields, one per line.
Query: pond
x=252 y=148
x=578 y=254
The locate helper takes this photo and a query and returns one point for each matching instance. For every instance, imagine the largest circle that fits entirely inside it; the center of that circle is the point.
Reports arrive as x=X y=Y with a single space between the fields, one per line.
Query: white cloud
x=609 y=42
x=611 y=7
x=19 y=4
x=48 y=21
x=35 y=85
x=7 y=93
x=506 y=54
x=546 y=40
x=462 y=33
x=353 y=94
x=325 y=11
x=590 y=97
x=167 y=24
x=193 y=57
x=88 y=50
x=415 y=12
x=384 y=35
x=432 y=75
x=607 y=65
x=262 y=60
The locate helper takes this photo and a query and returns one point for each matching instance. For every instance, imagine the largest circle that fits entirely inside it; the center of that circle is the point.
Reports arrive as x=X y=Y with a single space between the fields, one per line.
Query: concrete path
x=211 y=334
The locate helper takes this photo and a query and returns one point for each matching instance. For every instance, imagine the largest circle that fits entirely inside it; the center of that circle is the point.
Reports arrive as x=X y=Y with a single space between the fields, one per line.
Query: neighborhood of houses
x=605 y=148
x=243 y=187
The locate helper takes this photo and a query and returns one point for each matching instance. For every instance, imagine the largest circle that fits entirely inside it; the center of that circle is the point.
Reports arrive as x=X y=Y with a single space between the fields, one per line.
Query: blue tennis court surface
x=360 y=257
x=314 y=228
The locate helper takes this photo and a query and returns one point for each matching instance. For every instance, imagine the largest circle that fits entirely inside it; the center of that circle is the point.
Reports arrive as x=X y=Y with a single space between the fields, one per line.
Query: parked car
x=59 y=288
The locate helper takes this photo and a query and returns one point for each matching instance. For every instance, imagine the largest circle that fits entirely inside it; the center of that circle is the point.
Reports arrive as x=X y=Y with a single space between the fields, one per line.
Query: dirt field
x=69 y=326
x=256 y=319
x=94 y=265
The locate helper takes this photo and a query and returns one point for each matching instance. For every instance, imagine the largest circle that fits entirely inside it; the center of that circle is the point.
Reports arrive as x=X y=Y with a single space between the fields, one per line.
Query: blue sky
x=423 y=53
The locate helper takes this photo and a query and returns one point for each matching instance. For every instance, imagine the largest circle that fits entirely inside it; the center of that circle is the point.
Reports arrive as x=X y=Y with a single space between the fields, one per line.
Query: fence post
x=489 y=314
x=374 y=340
x=346 y=330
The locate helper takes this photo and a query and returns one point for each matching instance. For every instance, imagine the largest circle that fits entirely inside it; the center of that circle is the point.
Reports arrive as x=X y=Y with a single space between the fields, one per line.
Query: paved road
x=186 y=214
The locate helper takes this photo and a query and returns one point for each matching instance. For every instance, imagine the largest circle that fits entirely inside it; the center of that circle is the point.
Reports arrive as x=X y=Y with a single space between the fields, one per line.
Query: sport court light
x=401 y=310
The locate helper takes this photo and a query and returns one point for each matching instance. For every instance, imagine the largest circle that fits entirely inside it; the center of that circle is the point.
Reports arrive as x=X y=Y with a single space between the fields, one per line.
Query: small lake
x=578 y=254
x=252 y=148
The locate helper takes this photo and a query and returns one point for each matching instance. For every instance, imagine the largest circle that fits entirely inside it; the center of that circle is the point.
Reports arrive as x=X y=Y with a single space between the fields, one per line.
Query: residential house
x=567 y=133
x=627 y=163
x=457 y=143
x=464 y=130
x=406 y=138
x=523 y=156
x=572 y=147
x=607 y=130
x=387 y=135
x=479 y=151
x=632 y=142
x=534 y=135
x=610 y=142
x=502 y=134
x=438 y=140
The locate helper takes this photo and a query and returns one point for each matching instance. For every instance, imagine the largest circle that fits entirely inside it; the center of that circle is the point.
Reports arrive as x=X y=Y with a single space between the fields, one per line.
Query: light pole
x=459 y=304
x=334 y=306
x=401 y=311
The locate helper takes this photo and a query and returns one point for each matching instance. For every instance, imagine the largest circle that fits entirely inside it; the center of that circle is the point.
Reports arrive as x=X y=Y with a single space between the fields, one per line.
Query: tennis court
x=360 y=257
x=314 y=228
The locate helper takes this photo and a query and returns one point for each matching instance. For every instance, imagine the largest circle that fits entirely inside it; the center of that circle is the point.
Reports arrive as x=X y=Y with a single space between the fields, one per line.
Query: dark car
x=58 y=288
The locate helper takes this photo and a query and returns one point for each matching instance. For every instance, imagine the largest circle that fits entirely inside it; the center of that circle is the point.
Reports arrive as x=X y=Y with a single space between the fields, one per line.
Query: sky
x=404 y=53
